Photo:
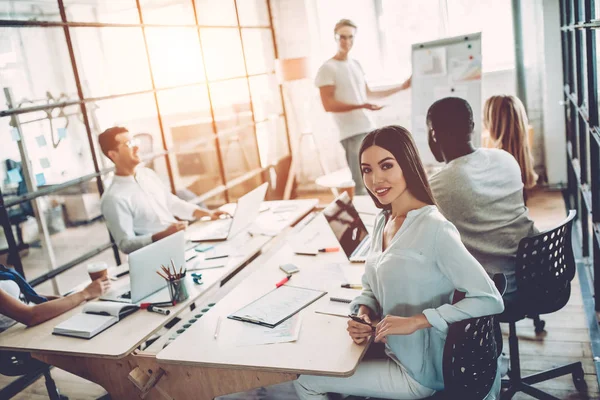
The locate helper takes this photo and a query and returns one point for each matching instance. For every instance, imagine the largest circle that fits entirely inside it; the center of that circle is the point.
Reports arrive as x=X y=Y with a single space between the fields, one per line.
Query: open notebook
x=94 y=318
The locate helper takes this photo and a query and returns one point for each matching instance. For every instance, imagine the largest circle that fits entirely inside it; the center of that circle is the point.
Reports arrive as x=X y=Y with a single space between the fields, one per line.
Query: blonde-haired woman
x=506 y=120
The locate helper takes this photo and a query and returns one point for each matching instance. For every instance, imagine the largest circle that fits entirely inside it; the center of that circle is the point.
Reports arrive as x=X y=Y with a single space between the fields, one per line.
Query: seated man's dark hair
x=451 y=116
x=107 y=139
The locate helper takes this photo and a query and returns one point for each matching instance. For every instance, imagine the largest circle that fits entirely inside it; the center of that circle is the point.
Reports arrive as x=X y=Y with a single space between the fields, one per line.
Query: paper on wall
x=467 y=68
x=430 y=62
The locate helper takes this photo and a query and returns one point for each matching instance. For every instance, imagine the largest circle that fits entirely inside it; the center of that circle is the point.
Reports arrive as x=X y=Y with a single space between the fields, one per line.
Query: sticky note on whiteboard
x=14 y=133
x=41 y=140
x=40 y=179
x=14 y=176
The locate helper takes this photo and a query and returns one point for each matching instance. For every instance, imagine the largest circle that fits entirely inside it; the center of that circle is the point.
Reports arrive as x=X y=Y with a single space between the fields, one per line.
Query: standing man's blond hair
x=344 y=22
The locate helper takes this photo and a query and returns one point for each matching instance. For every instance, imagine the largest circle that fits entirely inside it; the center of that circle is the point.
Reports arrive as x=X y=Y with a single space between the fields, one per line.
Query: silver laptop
x=348 y=228
x=246 y=211
x=143 y=263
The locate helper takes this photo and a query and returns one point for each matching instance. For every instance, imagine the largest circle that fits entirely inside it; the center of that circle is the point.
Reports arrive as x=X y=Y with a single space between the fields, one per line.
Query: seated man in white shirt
x=137 y=207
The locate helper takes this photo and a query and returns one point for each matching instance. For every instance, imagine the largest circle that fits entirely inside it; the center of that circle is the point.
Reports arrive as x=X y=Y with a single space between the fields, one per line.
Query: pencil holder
x=178 y=290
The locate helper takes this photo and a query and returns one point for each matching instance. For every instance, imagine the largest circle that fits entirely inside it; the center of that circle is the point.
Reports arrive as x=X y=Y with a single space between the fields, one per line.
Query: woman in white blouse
x=416 y=262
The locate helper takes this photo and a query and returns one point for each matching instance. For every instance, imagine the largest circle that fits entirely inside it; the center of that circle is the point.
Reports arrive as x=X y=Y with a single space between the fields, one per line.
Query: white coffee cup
x=98 y=270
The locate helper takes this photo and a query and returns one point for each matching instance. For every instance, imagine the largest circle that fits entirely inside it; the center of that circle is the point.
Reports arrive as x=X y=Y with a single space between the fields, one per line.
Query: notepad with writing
x=94 y=318
x=277 y=305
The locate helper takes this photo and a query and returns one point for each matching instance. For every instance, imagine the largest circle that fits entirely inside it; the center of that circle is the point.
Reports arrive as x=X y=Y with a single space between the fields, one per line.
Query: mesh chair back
x=545 y=268
x=470 y=359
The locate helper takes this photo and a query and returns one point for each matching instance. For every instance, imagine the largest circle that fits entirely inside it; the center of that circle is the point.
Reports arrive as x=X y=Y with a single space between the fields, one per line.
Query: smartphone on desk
x=289 y=268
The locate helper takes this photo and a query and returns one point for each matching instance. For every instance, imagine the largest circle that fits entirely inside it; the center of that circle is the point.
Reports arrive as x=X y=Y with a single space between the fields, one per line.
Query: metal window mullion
x=158 y=115
x=217 y=140
x=43 y=107
x=281 y=97
x=11 y=23
x=86 y=121
x=247 y=81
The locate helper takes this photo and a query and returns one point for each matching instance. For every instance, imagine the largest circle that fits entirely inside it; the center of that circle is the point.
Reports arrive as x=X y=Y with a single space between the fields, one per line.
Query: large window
x=193 y=80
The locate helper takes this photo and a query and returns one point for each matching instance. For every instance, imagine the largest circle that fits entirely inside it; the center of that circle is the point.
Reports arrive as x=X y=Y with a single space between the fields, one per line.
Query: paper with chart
x=255 y=335
x=430 y=62
x=277 y=305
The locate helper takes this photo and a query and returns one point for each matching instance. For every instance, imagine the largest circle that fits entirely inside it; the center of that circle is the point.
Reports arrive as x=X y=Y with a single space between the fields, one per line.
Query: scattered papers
x=255 y=335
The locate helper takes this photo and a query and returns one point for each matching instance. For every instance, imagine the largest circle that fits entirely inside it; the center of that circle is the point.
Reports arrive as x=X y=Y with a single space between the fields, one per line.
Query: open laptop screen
x=345 y=223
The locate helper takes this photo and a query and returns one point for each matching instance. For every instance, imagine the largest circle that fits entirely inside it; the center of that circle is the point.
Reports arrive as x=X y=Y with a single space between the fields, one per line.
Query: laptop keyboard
x=216 y=229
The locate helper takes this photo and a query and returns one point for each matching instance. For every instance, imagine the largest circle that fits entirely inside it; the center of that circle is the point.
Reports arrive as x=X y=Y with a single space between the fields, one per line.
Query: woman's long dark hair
x=398 y=141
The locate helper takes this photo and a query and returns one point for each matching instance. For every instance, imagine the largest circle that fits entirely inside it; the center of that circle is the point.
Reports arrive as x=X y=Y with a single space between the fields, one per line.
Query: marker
x=155 y=309
x=163 y=303
x=351 y=286
x=283 y=281
x=329 y=250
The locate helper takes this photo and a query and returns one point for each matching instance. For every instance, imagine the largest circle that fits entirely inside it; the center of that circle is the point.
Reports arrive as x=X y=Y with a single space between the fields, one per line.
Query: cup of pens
x=175 y=282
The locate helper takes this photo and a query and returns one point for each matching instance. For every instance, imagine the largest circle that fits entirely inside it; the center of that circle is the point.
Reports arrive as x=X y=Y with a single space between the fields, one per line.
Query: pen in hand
x=356 y=318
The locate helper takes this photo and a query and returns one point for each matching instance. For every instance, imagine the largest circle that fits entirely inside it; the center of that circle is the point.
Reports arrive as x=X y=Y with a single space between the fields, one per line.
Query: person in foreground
x=137 y=207
x=20 y=303
x=415 y=263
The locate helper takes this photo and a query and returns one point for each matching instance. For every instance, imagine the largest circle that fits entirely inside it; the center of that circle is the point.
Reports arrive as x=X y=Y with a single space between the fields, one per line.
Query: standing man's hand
x=407 y=83
x=372 y=107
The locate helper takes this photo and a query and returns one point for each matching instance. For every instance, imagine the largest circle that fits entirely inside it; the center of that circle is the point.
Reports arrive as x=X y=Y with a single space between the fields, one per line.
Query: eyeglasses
x=344 y=37
x=131 y=143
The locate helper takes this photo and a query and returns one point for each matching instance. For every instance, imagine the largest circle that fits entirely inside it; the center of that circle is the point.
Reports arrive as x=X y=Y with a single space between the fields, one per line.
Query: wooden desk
x=196 y=365
x=108 y=358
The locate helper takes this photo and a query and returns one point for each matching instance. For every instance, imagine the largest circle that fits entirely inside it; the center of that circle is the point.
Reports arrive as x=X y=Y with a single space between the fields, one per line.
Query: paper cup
x=98 y=270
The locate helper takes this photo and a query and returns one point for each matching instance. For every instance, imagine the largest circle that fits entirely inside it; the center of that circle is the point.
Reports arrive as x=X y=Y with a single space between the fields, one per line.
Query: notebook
x=277 y=305
x=94 y=318
x=337 y=303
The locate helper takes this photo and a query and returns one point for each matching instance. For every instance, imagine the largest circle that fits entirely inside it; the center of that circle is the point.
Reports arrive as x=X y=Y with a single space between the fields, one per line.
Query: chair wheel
x=539 y=325
x=579 y=380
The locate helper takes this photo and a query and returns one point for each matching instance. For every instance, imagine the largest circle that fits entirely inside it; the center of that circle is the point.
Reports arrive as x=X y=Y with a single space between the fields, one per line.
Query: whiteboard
x=448 y=67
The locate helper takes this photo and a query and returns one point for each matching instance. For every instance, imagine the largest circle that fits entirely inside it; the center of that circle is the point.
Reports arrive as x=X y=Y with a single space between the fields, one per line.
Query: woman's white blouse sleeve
x=467 y=275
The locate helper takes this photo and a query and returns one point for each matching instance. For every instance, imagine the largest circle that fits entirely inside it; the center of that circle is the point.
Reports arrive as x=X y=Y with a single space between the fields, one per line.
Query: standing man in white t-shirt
x=344 y=92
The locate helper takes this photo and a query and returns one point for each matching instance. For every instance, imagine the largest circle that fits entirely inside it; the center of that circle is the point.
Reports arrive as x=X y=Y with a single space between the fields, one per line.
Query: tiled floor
x=566 y=338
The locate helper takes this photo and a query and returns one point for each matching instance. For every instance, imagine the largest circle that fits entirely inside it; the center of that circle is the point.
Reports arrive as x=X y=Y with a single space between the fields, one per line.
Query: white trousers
x=381 y=378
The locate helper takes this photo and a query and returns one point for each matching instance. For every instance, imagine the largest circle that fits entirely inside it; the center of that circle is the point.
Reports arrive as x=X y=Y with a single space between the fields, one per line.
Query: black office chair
x=30 y=369
x=471 y=354
x=545 y=269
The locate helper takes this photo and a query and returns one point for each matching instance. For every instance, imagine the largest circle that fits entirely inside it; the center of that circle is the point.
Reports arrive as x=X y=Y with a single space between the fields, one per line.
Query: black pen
x=361 y=321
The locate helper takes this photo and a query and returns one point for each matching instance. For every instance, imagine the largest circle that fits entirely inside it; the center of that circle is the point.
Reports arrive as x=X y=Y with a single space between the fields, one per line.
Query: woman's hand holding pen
x=360 y=332
x=392 y=325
